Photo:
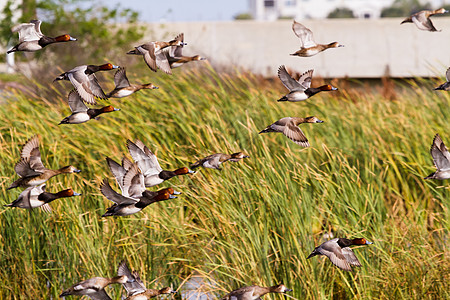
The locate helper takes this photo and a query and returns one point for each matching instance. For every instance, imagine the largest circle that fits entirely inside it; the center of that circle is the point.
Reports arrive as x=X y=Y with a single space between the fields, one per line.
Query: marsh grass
x=254 y=222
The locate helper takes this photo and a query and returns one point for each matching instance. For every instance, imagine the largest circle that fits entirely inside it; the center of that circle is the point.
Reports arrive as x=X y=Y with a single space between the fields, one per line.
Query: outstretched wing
x=304 y=34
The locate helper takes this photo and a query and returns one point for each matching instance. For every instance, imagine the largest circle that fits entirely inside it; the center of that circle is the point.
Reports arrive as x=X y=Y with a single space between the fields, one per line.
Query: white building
x=271 y=10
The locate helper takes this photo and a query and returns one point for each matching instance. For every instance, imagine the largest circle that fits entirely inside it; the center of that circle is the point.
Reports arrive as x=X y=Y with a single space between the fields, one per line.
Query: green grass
x=256 y=221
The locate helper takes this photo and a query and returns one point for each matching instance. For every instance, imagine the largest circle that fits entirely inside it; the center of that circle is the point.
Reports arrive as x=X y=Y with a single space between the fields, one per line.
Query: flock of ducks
x=135 y=176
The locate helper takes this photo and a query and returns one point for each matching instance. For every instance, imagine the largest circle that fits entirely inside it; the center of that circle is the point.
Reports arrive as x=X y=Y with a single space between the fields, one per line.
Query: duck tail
x=14 y=49
x=60 y=77
x=431 y=176
x=65 y=293
x=284 y=98
x=438 y=88
x=268 y=129
x=314 y=253
x=134 y=51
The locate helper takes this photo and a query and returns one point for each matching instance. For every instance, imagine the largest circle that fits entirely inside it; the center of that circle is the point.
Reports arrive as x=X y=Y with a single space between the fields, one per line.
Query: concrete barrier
x=371 y=46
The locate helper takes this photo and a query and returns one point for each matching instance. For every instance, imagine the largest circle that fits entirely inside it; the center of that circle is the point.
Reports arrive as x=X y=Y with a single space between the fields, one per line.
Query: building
x=271 y=10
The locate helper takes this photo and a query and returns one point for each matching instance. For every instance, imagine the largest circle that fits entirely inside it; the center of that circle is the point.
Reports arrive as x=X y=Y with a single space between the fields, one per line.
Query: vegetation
x=256 y=221
x=243 y=16
x=341 y=12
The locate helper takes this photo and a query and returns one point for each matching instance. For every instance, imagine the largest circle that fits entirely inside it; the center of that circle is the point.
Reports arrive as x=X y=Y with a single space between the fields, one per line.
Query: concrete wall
x=371 y=46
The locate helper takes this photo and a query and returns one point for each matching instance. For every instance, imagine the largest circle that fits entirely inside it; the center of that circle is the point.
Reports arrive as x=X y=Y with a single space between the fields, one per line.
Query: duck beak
x=131 y=280
x=368 y=243
x=176 y=193
x=72 y=39
x=191 y=172
x=116 y=109
x=288 y=290
x=76 y=171
x=156 y=87
x=334 y=88
x=172 y=197
x=115 y=67
x=340 y=46
x=246 y=156
x=319 y=121
x=76 y=194
x=173 y=292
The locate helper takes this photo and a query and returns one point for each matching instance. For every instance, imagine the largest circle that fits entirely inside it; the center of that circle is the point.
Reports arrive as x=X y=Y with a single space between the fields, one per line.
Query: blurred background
x=254 y=35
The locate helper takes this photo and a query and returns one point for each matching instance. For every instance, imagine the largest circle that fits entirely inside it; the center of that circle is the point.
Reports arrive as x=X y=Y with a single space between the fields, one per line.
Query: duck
x=134 y=196
x=177 y=59
x=31 y=38
x=36 y=196
x=441 y=159
x=148 y=164
x=446 y=85
x=254 y=292
x=154 y=57
x=339 y=252
x=215 y=160
x=300 y=90
x=95 y=287
x=30 y=168
x=422 y=19
x=124 y=88
x=85 y=82
x=80 y=112
x=308 y=46
x=289 y=127
x=136 y=290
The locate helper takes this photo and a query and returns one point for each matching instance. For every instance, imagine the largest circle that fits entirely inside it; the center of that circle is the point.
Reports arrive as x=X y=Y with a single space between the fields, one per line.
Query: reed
x=256 y=221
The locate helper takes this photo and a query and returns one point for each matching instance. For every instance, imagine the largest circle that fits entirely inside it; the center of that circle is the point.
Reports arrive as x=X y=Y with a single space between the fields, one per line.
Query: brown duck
x=254 y=292
x=422 y=19
x=289 y=127
x=124 y=88
x=30 y=167
x=215 y=160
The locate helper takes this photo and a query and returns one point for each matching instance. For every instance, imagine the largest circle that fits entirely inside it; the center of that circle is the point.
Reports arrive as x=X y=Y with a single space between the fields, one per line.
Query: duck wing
x=146 y=160
x=84 y=85
x=118 y=171
x=31 y=153
x=100 y=295
x=423 y=22
x=120 y=79
x=304 y=34
x=177 y=51
x=113 y=196
x=290 y=83
x=351 y=257
x=162 y=62
x=306 y=78
x=133 y=182
x=447 y=75
x=334 y=253
x=148 y=51
x=28 y=31
x=135 y=287
x=23 y=169
x=440 y=154
x=295 y=134
x=76 y=103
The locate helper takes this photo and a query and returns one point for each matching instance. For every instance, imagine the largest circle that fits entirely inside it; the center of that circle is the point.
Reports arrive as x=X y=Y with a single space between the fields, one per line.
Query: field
x=254 y=222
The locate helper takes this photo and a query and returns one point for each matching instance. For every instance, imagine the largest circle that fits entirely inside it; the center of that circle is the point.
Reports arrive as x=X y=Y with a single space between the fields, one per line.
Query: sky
x=183 y=10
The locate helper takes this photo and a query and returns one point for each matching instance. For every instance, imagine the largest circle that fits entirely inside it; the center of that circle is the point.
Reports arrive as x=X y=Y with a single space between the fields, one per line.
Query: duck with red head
x=134 y=196
x=300 y=90
x=149 y=165
x=339 y=252
x=31 y=38
x=85 y=82
x=36 y=196
x=81 y=113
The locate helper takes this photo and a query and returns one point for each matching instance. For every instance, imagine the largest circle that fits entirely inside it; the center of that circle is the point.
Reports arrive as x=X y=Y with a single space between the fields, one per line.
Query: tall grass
x=256 y=221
